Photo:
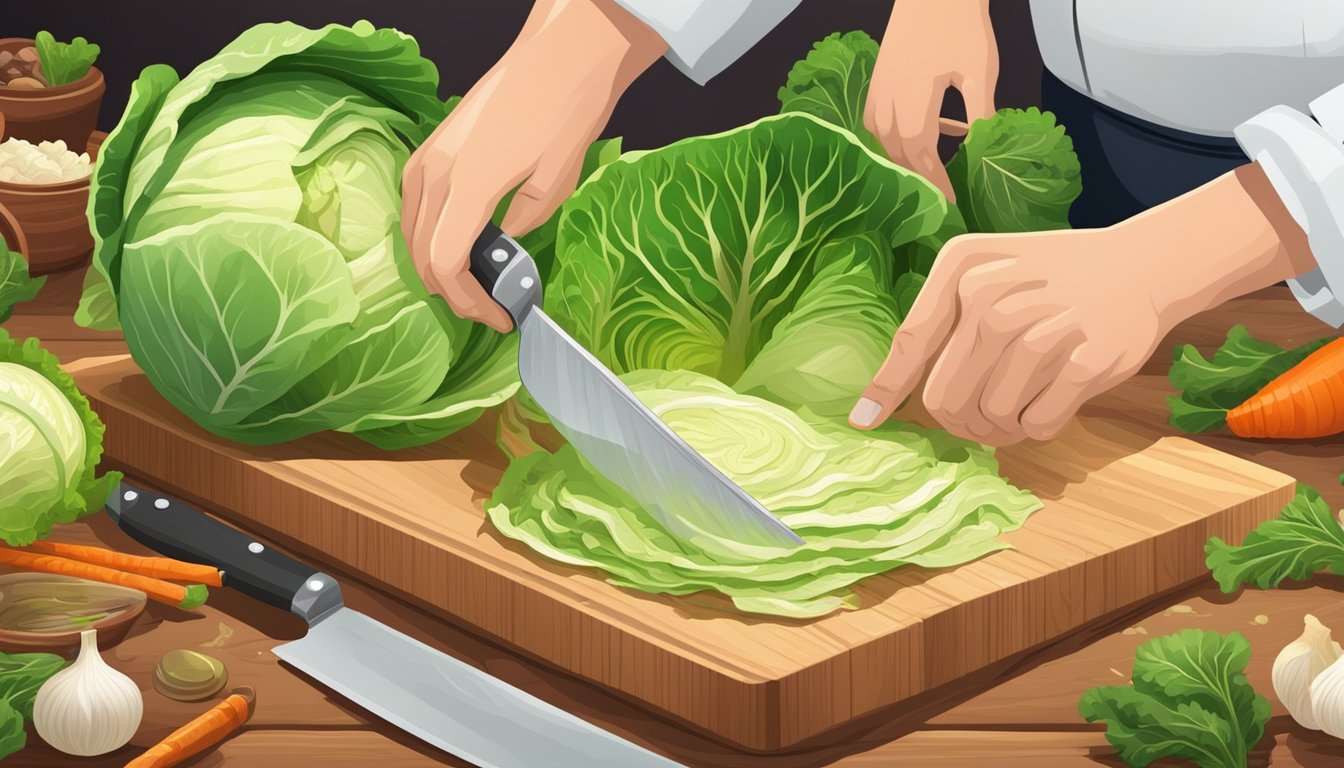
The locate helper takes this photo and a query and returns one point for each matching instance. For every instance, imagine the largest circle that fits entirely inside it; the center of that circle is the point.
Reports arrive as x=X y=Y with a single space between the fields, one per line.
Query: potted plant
x=50 y=90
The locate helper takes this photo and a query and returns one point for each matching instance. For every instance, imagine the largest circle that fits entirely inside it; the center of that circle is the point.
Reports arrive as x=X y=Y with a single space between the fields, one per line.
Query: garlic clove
x=1327 y=699
x=1298 y=665
x=88 y=708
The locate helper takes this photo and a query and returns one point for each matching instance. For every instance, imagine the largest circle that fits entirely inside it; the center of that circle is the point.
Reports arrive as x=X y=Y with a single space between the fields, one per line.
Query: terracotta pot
x=68 y=112
x=51 y=221
x=11 y=234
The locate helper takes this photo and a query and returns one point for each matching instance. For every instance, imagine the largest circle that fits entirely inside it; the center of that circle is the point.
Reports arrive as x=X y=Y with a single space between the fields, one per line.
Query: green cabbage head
x=50 y=443
x=246 y=220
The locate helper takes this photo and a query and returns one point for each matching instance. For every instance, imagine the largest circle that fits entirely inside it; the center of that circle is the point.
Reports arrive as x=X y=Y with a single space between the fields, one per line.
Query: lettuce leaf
x=1190 y=699
x=863 y=502
x=1305 y=539
x=1014 y=172
x=1242 y=366
x=16 y=286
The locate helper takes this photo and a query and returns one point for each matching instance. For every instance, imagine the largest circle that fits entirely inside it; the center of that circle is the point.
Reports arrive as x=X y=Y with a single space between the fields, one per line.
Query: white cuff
x=705 y=36
x=1304 y=161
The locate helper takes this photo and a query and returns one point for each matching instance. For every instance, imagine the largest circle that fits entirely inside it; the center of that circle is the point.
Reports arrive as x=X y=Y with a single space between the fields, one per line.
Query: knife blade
x=604 y=421
x=428 y=694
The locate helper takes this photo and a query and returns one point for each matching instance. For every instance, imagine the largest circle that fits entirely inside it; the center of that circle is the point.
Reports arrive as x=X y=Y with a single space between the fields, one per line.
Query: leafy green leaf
x=64 y=63
x=21 y=674
x=16 y=286
x=863 y=502
x=1305 y=539
x=12 y=736
x=832 y=83
x=1189 y=699
x=1238 y=369
x=1016 y=172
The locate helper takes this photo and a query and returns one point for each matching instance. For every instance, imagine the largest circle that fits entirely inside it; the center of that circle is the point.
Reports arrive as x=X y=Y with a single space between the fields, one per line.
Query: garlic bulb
x=1298 y=664
x=1327 y=699
x=88 y=708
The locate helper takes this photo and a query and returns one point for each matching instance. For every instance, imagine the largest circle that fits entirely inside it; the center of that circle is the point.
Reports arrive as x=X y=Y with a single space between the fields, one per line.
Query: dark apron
x=1130 y=165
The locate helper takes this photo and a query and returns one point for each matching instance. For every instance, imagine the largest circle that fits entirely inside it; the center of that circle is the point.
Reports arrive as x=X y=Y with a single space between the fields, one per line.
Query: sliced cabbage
x=863 y=502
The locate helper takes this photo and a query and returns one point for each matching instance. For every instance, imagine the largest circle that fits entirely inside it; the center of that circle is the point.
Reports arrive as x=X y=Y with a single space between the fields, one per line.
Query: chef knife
x=608 y=425
x=426 y=693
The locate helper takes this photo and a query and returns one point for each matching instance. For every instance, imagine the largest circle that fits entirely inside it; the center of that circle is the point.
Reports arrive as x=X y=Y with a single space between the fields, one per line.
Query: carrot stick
x=207 y=730
x=164 y=568
x=188 y=597
x=1307 y=400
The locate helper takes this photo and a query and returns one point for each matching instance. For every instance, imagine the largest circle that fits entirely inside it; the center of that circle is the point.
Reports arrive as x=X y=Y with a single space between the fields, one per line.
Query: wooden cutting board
x=1126 y=516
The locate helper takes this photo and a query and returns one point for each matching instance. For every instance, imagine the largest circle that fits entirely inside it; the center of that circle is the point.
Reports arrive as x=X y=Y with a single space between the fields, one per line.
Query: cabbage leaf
x=863 y=502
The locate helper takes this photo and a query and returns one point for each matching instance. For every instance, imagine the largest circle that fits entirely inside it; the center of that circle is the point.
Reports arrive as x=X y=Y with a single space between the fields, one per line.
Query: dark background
x=464 y=37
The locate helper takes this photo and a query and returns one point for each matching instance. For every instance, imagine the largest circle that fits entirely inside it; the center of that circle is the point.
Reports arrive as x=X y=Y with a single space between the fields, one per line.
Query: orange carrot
x=1307 y=400
x=164 y=568
x=188 y=597
x=207 y=730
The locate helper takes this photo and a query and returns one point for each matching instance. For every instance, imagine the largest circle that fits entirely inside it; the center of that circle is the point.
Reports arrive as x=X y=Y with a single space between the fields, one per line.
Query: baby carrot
x=1307 y=400
x=207 y=730
x=164 y=568
x=188 y=597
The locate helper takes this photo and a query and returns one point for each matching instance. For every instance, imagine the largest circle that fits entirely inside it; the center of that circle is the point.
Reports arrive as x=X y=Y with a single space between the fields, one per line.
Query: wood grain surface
x=1018 y=712
x=1125 y=517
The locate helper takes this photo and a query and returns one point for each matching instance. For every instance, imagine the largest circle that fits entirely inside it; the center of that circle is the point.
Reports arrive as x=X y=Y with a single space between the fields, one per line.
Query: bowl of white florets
x=45 y=187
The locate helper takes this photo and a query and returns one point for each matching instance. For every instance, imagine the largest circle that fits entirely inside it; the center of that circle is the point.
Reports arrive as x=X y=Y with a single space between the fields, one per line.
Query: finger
x=977 y=91
x=460 y=219
x=918 y=339
x=541 y=194
x=1026 y=369
x=976 y=346
x=1079 y=379
x=916 y=134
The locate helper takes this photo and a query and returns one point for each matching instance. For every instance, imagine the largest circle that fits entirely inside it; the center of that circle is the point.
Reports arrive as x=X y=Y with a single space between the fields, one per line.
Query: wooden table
x=1020 y=713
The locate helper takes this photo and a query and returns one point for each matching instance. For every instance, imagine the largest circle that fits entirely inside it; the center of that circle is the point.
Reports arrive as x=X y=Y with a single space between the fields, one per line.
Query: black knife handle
x=173 y=528
x=506 y=271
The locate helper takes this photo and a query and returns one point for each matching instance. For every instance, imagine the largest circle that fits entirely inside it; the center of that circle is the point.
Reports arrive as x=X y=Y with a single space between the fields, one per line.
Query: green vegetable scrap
x=248 y=240
x=50 y=443
x=1238 y=369
x=21 y=675
x=16 y=286
x=1305 y=539
x=863 y=502
x=1189 y=699
x=64 y=63
x=1014 y=172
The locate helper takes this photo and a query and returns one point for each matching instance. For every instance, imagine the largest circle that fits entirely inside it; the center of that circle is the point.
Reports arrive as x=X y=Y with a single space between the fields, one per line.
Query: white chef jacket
x=1245 y=68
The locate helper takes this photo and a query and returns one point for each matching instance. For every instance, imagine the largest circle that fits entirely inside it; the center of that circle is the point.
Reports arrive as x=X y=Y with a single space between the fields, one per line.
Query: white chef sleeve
x=1304 y=161
x=705 y=36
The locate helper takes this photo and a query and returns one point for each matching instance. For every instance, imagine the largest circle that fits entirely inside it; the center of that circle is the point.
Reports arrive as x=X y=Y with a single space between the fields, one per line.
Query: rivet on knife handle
x=506 y=271
x=173 y=528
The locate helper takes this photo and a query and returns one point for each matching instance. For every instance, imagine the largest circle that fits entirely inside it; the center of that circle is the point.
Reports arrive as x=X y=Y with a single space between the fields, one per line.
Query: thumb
x=540 y=195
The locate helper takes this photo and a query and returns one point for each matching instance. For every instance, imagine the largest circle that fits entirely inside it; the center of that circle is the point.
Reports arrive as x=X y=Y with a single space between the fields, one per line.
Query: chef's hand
x=1017 y=331
x=928 y=46
x=528 y=121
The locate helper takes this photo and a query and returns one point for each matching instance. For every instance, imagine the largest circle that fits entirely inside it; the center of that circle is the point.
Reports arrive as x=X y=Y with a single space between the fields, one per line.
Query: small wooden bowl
x=111 y=630
x=68 y=112
x=52 y=220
